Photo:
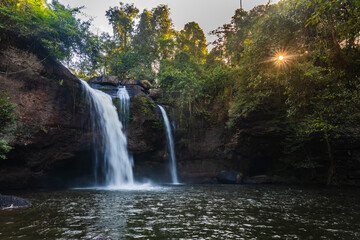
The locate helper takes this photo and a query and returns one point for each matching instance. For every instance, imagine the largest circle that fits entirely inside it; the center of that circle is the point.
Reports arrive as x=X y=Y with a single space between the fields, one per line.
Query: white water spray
x=117 y=166
x=170 y=141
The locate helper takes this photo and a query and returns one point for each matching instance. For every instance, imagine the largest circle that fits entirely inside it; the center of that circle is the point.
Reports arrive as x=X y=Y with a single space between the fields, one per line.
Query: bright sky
x=209 y=14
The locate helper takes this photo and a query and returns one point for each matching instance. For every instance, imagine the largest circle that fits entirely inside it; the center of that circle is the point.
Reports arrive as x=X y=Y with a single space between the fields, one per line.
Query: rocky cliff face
x=249 y=152
x=51 y=114
x=253 y=152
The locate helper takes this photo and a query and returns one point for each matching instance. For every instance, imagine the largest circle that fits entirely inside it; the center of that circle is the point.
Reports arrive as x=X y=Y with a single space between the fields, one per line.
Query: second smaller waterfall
x=124 y=108
x=170 y=142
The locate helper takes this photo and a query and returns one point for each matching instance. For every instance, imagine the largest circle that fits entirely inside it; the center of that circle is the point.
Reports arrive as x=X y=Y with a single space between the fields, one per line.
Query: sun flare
x=282 y=58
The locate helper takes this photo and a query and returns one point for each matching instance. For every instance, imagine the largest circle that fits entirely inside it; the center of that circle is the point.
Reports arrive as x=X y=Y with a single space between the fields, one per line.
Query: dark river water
x=188 y=212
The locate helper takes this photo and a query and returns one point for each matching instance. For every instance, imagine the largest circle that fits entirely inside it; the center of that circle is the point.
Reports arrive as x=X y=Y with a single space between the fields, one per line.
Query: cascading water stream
x=173 y=122
x=124 y=106
x=116 y=165
x=170 y=142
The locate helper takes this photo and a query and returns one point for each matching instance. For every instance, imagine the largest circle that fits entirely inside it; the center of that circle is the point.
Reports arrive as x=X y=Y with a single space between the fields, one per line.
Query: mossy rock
x=145 y=84
x=116 y=103
x=142 y=108
x=105 y=88
x=158 y=124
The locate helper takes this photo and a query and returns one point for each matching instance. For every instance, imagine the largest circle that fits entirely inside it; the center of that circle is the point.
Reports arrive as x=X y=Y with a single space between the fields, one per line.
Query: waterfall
x=173 y=122
x=170 y=142
x=116 y=167
x=124 y=106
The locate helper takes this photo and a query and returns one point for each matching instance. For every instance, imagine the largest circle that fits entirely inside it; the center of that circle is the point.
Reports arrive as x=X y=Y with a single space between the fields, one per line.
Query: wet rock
x=110 y=80
x=229 y=177
x=260 y=179
x=12 y=201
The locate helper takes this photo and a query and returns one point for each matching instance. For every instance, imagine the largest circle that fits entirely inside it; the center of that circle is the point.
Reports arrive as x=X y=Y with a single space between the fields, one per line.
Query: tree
x=144 y=45
x=164 y=32
x=122 y=20
x=122 y=63
x=144 y=38
x=51 y=26
x=192 y=39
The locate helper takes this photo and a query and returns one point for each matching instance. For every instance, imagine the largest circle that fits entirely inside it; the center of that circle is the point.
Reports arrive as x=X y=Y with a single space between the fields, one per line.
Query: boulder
x=155 y=93
x=229 y=177
x=136 y=91
x=129 y=81
x=105 y=80
x=11 y=201
x=145 y=84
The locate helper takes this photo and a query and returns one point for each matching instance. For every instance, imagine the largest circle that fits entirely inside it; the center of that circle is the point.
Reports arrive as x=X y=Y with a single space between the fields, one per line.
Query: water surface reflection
x=188 y=212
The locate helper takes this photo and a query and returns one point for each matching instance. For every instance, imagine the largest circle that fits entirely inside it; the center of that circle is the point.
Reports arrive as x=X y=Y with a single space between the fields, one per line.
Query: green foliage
x=122 y=20
x=192 y=40
x=122 y=63
x=6 y=111
x=4 y=148
x=136 y=51
x=158 y=125
x=182 y=78
x=106 y=88
x=141 y=108
x=7 y=116
x=54 y=27
x=144 y=40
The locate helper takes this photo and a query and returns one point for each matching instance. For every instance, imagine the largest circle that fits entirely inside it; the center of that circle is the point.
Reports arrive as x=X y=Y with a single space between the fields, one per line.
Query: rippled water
x=188 y=212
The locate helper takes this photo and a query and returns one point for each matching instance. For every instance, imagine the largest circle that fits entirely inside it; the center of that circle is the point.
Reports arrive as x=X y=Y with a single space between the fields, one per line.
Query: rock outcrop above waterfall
x=51 y=115
x=155 y=93
x=131 y=82
x=106 y=80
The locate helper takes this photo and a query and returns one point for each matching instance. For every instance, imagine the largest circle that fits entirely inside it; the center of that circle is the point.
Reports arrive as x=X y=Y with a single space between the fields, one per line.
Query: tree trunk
x=189 y=109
